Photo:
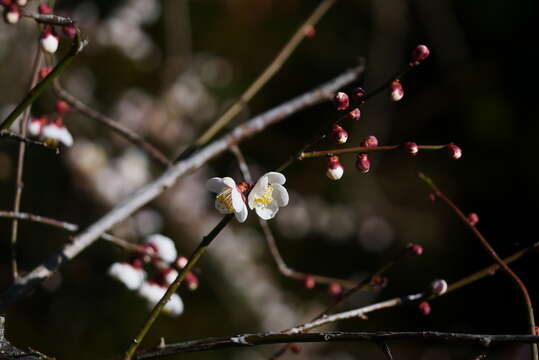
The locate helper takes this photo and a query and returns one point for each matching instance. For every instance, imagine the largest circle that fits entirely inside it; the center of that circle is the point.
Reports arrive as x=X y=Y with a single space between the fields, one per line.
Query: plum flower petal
x=153 y=292
x=268 y=195
x=164 y=246
x=132 y=277
x=229 y=199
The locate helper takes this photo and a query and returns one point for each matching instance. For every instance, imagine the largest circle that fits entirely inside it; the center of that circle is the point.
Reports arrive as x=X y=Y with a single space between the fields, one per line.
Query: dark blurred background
x=167 y=69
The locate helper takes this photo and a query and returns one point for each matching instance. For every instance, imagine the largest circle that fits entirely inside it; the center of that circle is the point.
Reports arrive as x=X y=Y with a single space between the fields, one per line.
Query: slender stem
x=206 y=241
x=10 y=135
x=35 y=92
x=490 y=250
x=115 y=126
x=19 y=185
x=39 y=219
x=262 y=79
x=249 y=340
x=355 y=149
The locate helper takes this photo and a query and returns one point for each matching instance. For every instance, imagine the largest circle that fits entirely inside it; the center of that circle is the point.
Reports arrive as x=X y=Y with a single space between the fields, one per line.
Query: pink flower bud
x=370 y=141
x=12 y=14
x=473 y=219
x=354 y=114
x=309 y=282
x=61 y=107
x=342 y=102
x=334 y=289
x=416 y=249
x=432 y=197
x=438 y=287
x=22 y=2
x=454 y=151
x=43 y=8
x=379 y=281
x=362 y=162
x=424 y=307
x=181 y=262
x=396 y=91
x=70 y=31
x=309 y=31
x=411 y=148
x=44 y=72
x=420 y=53
x=48 y=40
x=338 y=134
x=191 y=281
x=335 y=170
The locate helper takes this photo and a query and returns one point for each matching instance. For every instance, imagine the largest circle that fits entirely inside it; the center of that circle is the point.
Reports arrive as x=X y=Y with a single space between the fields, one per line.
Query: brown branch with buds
x=356 y=149
x=249 y=340
x=472 y=226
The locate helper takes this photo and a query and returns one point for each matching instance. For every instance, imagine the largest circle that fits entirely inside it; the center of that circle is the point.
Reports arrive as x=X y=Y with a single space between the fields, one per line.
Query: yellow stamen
x=225 y=198
x=266 y=198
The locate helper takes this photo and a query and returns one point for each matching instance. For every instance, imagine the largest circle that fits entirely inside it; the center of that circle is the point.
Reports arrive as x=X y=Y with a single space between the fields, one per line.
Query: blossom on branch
x=268 y=195
x=131 y=275
x=152 y=292
x=164 y=247
x=230 y=198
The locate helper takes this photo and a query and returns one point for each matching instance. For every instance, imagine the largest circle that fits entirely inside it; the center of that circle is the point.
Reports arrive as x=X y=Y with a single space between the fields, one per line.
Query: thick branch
x=247 y=340
x=169 y=178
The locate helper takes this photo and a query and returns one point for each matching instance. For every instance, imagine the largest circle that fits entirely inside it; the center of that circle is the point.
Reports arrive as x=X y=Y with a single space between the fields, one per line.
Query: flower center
x=225 y=198
x=266 y=198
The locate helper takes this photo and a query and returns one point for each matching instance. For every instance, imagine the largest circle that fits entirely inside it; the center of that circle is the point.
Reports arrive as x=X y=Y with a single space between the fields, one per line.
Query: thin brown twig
x=13 y=136
x=355 y=149
x=490 y=250
x=112 y=124
x=249 y=340
x=19 y=185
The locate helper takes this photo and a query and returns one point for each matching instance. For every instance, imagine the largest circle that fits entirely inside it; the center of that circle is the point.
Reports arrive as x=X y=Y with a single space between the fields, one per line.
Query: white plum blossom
x=56 y=132
x=164 y=246
x=268 y=195
x=131 y=276
x=229 y=197
x=153 y=292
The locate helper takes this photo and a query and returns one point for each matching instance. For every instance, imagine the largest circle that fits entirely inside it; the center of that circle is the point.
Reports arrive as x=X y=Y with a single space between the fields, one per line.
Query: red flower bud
x=370 y=141
x=379 y=281
x=438 y=287
x=342 y=102
x=362 y=163
x=454 y=151
x=70 y=31
x=43 y=8
x=309 y=282
x=334 y=289
x=191 y=281
x=416 y=249
x=43 y=72
x=338 y=134
x=473 y=219
x=432 y=197
x=424 y=307
x=335 y=170
x=309 y=31
x=359 y=95
x=411 y=148
x=354 y=114
x=396 y=91
x=295 y=348
x=61 y=107
x=181 y=262
x=420 y=53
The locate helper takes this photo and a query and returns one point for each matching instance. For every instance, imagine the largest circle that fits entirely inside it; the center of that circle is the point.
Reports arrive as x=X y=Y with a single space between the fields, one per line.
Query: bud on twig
x=70 y=31
x=411 y=148
x=335 y=170
x=191 y=281
x=359 y=94
x=416 y=249
x=396 y=91
x=432 y=197
x=342 y=102
x=310 y=282
x=61 y=107
x=181 y=262
x=362 y=163
x=43 y=8
x=354 y=114
x=334 y=289
x=12 y=14
x=49 y=40
x=473 y=219
x=370 y=141
x=438 y=287
x=419 y=54
x=309 y=31
x=424 y=307
x=43 y=72
x=338 y=134
x=295 y=348
x=454 y=151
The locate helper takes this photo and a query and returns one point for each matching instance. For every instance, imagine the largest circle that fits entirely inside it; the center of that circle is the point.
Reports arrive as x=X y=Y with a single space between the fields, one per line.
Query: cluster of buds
x=12 y=10
x=51 y=129
x=48 y=38
x=159 y=253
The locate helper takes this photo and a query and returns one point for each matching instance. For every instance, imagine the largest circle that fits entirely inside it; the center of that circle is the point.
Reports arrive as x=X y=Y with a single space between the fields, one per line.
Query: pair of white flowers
x=266 y=196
